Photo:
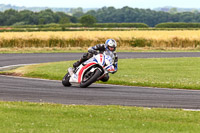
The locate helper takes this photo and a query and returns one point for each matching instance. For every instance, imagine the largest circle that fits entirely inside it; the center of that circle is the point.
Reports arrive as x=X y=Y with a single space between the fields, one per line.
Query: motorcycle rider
x=109 y=46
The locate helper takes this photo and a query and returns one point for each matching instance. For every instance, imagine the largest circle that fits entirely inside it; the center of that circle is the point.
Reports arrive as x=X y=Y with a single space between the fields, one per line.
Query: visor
x=111 y=48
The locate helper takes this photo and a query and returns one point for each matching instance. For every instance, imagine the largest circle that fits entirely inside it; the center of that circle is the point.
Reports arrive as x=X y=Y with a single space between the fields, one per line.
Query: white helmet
x=111 y=44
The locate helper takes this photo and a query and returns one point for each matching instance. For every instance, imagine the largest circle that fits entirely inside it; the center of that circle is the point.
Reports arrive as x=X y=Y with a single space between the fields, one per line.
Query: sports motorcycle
x=90 y=71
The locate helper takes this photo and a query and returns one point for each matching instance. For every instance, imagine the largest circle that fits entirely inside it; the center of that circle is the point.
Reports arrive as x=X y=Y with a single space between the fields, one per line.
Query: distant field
x=94 y=35
x=143 y=39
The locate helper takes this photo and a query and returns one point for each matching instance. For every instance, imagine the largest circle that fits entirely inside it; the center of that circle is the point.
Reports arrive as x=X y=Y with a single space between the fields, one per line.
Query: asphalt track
x=37 y=90
x=13 y=59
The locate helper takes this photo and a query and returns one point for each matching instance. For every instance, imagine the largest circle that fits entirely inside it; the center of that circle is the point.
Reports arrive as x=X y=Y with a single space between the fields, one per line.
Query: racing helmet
x=111 y=45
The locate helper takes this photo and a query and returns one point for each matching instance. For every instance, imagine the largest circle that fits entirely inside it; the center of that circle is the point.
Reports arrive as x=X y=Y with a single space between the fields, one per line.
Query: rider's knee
x=105 y=78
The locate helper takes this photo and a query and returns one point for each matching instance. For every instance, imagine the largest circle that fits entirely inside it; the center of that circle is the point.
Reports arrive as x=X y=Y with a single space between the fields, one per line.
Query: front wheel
x=92 y=79
x=65 y=80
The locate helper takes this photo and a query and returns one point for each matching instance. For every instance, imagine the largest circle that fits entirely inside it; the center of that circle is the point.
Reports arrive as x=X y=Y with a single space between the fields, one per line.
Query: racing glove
x=93 y=51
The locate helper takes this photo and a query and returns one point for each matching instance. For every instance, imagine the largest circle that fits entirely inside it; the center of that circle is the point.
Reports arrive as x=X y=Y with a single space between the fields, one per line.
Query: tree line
x=102 y=15
x=147 y=16
x=26 y=17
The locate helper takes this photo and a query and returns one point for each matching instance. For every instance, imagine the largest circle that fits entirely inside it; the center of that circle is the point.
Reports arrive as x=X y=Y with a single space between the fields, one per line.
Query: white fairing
x=74 y=76
x=105 y=60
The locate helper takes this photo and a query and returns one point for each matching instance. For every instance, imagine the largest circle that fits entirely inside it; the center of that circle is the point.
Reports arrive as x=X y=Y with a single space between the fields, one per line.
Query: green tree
x=26 y=17
x=173 y=11
x=78 y=14
x=87 y=20
x=47 y=16
x=64 y=20
x=41 y=21
x=62 y=15
x=2 y=19
x=11 y=16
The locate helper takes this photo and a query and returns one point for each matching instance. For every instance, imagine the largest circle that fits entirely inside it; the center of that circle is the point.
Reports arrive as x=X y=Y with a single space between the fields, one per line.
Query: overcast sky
x=100 y=3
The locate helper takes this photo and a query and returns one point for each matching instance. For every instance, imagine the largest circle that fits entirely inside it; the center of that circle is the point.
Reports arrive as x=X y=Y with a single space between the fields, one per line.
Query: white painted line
x=171 y=89
x=5 y=67
x=191 y=109
x=28 y=78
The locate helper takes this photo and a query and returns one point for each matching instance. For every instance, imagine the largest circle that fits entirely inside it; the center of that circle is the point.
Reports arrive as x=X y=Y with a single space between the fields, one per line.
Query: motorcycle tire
x=91 y=80
x=65 y=80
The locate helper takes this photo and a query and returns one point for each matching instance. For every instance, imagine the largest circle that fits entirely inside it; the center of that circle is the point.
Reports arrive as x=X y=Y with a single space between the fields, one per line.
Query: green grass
x=155 y=72
x=163 y=72
x=40 y=117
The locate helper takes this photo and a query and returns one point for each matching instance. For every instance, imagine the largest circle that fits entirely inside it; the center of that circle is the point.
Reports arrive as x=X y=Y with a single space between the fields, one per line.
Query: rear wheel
x=90 y=78
x=65 y=80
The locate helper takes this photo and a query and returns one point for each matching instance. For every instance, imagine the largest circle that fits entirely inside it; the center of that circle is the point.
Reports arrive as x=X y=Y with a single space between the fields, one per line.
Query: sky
x=101 y=3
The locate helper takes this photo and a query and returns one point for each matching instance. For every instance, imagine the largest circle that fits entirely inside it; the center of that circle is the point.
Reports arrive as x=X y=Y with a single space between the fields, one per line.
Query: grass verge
x=44 y=117
x=155 y=72
x=84 y=49
x=43 y=50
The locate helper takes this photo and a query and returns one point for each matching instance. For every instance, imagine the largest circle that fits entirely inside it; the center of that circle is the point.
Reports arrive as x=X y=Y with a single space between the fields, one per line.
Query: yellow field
x=156 y=39
x=155 y=35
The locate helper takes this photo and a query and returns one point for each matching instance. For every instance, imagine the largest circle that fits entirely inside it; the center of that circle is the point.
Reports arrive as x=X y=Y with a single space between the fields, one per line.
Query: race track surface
x=13 y=59
x=36 y=90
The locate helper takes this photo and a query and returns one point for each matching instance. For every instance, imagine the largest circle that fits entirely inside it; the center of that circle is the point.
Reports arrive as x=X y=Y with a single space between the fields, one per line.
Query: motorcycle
x=90 y=71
